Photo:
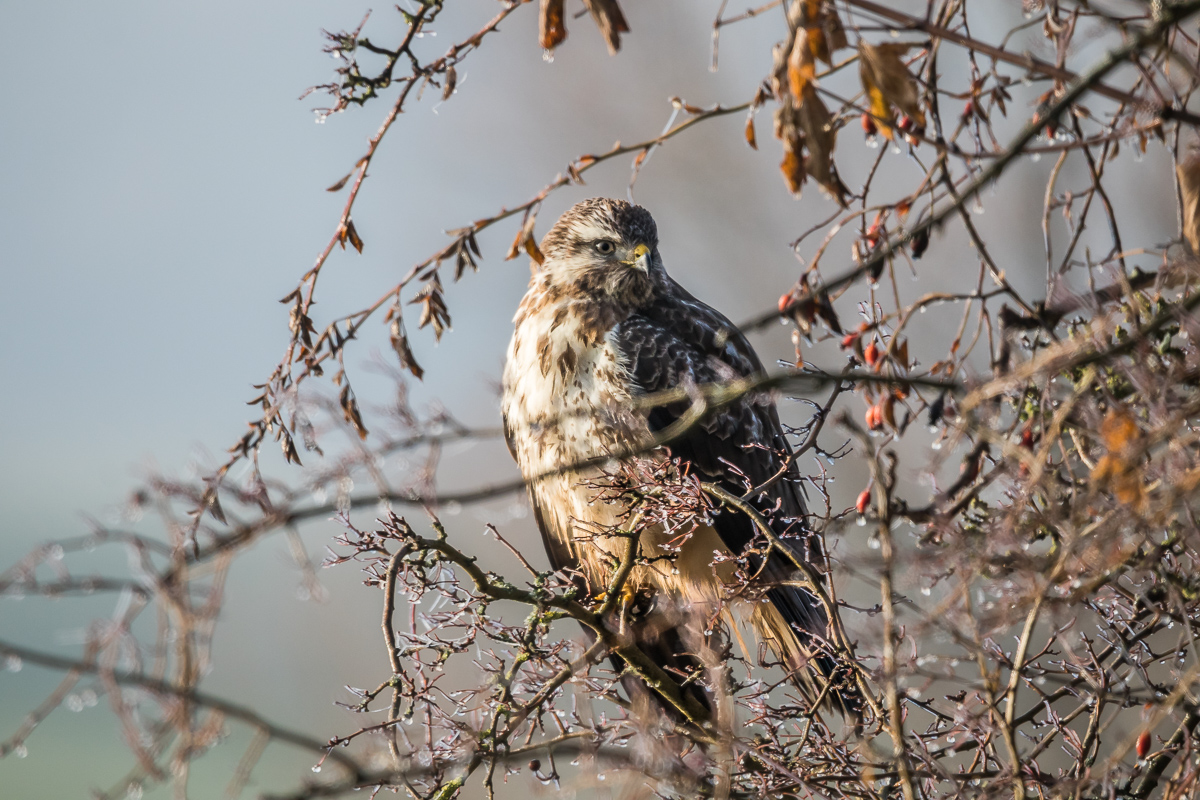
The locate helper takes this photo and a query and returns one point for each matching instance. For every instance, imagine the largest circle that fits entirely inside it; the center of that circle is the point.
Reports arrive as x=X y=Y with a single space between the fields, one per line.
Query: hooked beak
x=640 y=258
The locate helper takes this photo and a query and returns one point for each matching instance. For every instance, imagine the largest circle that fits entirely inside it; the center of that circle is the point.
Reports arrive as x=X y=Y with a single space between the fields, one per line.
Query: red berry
x=864 y=500
x=874 y=418
x=1027 y=438
x=785 y=300
x=1143 y=744
x=871 y=354
x=905 y=123
x=848 y=340
x=868 y=125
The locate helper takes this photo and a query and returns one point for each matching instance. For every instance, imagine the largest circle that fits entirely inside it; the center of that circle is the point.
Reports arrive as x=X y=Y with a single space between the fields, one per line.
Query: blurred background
x=164 y=188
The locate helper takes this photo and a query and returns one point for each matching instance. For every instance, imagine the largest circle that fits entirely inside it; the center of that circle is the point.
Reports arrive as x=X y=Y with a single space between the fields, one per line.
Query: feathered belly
x=566 y=405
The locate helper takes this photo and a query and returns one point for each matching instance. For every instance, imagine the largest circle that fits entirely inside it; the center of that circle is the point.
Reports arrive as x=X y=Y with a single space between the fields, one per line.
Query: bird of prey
x=601 y=325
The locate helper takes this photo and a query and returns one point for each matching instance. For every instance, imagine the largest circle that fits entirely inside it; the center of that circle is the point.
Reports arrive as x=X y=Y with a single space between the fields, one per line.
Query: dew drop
x=316 y=767
x=925 y=590
x=862 y=521
x=873 y=544
x=20 y=751
x=13 y=663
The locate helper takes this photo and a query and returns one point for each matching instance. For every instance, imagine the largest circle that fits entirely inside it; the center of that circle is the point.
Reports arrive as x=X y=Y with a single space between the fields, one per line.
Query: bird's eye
x=605 y=248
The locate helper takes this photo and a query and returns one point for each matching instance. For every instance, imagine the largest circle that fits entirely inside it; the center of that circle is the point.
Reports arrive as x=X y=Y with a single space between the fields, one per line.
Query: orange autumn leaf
x=751 y=139
x=552 y=30
x=792 y=168
x=801 y=68
x=1119 y=430
x=819 y=33
x=802 y=122
x=1117 y=470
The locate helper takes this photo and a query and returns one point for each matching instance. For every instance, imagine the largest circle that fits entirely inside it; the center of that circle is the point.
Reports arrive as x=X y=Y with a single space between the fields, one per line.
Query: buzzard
x=602 y=324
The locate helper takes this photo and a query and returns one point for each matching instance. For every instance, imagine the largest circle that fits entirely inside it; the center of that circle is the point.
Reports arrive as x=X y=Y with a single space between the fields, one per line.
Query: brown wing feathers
x=679 y=339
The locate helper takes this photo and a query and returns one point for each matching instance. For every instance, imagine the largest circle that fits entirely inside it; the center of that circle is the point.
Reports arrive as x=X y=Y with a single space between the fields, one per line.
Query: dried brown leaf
x=818 y=33
x=514 y=249
x=609 y=19
x=552 y=29
x=525 y=240
x=403 y=350
x=888 y=84
x=350 y=410
x=338 y=186
x=464 y=256
x=534 y=251
x=820 y=138
x=801 y=67
x=350 y=233
x=792 y=166
x=433 y=307
x=802 y=122
x=1189 y=188
x=290 y=455
x=213 y=502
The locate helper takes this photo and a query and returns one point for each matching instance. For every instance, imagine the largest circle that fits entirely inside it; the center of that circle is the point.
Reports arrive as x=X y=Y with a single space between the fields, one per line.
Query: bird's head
x=606 y=249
